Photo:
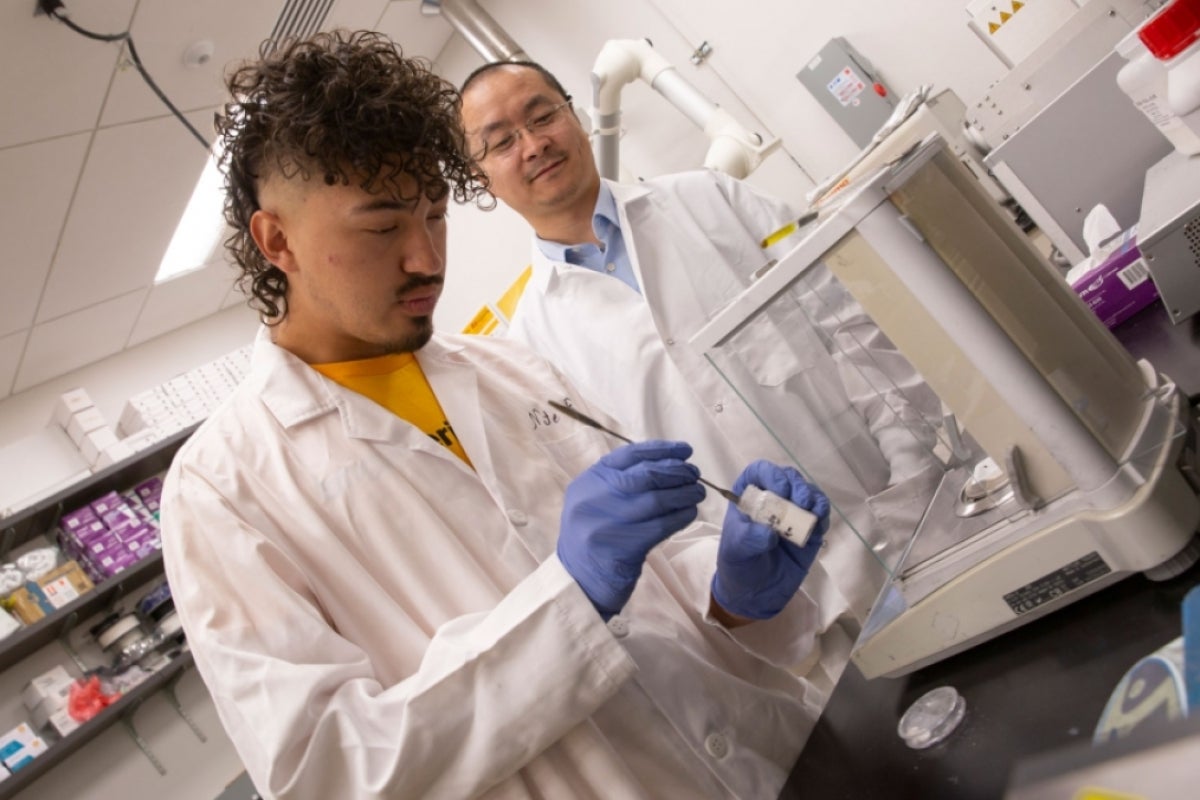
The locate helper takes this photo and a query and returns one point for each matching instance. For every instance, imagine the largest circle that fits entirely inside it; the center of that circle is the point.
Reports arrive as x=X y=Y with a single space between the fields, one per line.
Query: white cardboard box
x=96 y=442
x=69 y=404
x=52 y=686
x=83 y=422
x=117 y=451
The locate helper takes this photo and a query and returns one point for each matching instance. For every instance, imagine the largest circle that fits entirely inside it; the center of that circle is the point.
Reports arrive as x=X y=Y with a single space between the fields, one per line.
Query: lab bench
x=1029 y=691
x=1174 y=350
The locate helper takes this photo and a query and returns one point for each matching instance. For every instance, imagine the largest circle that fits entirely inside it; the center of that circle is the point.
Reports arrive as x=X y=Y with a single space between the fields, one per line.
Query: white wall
x=757 y=50
x=35 y=454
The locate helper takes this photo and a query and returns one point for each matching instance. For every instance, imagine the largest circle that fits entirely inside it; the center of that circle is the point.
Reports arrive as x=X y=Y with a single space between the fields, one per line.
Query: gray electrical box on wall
x=847 y=86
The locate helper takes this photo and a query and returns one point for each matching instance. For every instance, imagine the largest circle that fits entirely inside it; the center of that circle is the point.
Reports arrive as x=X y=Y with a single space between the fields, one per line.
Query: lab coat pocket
x=574 y=452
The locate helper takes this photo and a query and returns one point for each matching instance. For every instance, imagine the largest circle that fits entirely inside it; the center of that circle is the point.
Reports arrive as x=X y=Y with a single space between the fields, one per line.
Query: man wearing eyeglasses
x=681 y=246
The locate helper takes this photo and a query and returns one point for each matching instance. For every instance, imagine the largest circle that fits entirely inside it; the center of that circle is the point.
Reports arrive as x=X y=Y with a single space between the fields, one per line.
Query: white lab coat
x=694 y=240
x=374 y=618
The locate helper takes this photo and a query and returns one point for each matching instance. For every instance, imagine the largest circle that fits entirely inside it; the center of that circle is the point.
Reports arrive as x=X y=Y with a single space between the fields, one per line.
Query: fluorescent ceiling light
x=201 y=227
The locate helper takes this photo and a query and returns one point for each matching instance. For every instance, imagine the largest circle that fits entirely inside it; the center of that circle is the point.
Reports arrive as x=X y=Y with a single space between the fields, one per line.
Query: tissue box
x=1118 y=287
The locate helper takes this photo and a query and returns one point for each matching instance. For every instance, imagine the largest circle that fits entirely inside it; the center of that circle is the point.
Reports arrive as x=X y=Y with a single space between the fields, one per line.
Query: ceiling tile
x=55 y=79
x=38 y=181
x=135 y=185
x=163 y=32
x=417 y=34
x=10 y=356
x=358 y=15
x=185 y=299
x=55 y=348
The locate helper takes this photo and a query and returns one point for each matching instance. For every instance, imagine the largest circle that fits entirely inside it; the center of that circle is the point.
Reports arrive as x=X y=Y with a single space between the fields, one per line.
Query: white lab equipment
x=1173 y=36
x=1062 y=135
x=1144 y=79
x=1167 y=232
x=1097 y=452
x=1059 y=57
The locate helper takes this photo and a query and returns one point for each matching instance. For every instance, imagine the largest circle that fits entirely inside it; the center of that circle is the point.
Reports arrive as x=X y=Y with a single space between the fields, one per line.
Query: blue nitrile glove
x=758 y=572
x=618 y=509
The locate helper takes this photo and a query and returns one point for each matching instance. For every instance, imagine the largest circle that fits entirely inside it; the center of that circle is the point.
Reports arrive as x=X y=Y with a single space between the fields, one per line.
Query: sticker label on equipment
x=1134 y=275
x=847 y=86
x=1048 y=587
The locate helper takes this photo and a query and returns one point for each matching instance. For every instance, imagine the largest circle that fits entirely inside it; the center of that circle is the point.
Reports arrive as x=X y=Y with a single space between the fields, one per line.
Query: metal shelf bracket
x=64 y=639
x=141 y=743
x=173 y=699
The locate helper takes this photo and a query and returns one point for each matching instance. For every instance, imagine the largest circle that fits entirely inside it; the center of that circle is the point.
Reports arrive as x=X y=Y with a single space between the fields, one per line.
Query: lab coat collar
x=547 y=269
x=626 y=192
x=296 y=393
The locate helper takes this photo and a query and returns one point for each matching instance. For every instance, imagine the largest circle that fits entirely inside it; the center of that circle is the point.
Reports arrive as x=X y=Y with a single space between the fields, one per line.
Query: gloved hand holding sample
x=758 y=571
x=617 y=510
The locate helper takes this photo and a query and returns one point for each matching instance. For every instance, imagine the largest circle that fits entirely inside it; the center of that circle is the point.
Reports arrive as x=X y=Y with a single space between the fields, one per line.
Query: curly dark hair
x=346 y=106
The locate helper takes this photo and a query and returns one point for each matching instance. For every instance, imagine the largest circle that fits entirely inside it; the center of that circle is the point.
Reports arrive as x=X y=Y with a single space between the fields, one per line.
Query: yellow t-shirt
x=398 y=383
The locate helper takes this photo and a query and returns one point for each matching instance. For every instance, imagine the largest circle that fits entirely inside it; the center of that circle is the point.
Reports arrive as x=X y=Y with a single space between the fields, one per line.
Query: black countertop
x=1034 y=689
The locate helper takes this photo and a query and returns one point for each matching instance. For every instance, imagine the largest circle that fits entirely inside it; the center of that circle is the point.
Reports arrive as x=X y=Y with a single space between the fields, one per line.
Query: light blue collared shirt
x=610 y=258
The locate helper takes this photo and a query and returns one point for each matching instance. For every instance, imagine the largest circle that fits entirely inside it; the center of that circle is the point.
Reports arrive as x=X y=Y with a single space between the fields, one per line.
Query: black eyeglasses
x=500 y=143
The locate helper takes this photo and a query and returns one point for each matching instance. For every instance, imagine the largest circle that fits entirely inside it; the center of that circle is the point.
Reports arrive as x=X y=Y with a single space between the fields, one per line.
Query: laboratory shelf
x=65 y=747
x=32 y=638
x=42 y=517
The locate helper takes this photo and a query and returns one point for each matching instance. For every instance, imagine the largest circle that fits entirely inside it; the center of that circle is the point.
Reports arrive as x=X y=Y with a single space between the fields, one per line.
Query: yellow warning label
x=1093 y=793
x=1005 y=16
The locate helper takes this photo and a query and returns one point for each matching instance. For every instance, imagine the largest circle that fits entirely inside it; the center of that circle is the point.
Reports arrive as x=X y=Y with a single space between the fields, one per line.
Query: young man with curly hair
x=402 y=573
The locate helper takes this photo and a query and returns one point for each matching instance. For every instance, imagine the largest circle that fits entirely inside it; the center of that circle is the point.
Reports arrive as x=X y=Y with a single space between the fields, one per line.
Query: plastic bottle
x=1144 y=79
x=1173 y=37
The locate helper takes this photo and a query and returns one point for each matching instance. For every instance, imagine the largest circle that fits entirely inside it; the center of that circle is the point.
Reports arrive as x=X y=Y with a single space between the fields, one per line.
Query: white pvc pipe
x=687 y=98
x=734 y=150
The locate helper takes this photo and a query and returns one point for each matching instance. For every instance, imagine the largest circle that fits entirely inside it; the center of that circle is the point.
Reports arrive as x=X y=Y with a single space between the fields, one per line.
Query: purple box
x=69 y=545
x=150 y=489
x=121 y=516
x=113 y=561
x=102 y=544
x=89 y=568
x=1120 y=286
x=152 y=541
x=147 y=549
x=87 y=533
x=102 y=505
x=132 y=532
x=133 y=501
x=77 y=518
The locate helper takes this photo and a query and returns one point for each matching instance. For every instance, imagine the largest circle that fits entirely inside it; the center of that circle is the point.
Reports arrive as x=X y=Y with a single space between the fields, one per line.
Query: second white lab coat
x=374 y=618
x=694 y=240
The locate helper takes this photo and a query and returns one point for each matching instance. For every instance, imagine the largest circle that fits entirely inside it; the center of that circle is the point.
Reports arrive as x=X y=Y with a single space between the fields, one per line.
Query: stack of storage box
x=113 y=532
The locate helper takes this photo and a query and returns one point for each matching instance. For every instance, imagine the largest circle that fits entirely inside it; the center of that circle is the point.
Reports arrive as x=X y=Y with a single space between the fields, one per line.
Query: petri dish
x=932 y=718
